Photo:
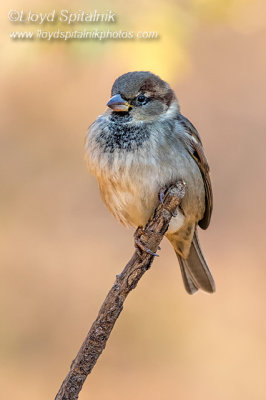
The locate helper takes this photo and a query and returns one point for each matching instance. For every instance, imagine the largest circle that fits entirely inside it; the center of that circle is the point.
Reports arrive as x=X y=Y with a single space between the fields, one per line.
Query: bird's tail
x=195 y=272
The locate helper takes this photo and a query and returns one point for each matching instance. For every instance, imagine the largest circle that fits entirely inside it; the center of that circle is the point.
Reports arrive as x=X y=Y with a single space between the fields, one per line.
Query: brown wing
x=198 y=154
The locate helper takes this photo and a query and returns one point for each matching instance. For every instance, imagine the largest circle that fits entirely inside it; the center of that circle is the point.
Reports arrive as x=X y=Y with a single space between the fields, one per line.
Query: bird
x=142 y=143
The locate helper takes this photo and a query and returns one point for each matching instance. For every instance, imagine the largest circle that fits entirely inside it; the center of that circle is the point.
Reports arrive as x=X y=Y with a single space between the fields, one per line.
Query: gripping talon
x=151 y=252
x=161 y=196
x=139 y=245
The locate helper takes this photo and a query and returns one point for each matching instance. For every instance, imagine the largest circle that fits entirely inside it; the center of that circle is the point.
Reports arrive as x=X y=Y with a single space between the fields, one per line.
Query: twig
x=95 y=342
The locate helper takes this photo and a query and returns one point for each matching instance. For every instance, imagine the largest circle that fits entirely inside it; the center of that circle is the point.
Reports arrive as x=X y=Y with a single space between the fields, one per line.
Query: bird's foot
x=139 y=245
x=162 y=192
x=161 y=195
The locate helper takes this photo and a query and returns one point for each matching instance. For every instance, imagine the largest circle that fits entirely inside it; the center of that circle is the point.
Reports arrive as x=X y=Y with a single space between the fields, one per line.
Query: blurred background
x=61 y=249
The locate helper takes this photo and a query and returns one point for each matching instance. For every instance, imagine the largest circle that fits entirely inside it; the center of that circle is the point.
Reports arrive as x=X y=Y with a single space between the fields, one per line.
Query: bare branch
x=95 y=342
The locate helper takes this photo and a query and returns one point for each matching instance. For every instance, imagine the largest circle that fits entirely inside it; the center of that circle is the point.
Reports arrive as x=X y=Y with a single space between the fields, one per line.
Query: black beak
x=117 y=103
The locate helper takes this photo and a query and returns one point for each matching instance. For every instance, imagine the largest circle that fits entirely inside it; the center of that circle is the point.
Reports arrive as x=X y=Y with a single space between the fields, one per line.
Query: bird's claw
x=140 y=246
x=161 y=196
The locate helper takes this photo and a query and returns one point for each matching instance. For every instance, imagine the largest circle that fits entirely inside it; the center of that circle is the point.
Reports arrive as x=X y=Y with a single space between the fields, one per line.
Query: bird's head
x=143 y=95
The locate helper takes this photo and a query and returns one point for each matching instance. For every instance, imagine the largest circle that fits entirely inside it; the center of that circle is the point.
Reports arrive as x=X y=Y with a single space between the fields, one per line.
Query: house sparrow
x=143 y=143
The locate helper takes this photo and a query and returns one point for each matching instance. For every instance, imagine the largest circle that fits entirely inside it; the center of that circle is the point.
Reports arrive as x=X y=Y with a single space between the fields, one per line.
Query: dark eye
x=141 y=99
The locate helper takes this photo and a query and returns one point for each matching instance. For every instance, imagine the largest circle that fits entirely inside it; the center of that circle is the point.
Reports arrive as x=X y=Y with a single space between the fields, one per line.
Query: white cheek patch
x=176 y=222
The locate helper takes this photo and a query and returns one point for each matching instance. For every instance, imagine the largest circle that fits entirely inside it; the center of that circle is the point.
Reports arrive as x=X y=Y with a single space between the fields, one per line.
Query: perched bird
x=142 y=143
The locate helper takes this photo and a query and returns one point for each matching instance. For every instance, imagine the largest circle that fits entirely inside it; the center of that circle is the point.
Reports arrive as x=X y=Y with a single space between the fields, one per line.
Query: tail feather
x=195 y=272
x=190 y=287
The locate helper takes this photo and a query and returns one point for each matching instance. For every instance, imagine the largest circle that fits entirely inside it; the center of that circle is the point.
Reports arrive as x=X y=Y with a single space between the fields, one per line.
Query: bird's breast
x=132 y=164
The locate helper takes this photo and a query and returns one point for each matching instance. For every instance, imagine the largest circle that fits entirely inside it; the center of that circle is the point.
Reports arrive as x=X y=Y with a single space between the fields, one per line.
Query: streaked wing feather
x=189 y=127
x=200 y=158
